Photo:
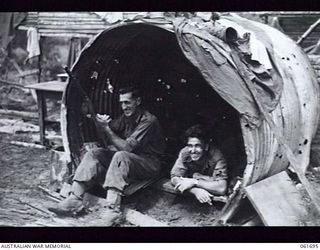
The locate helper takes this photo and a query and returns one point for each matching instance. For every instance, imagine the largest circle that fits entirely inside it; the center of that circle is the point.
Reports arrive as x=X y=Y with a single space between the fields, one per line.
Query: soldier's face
x=196 y=148
x=129 y=104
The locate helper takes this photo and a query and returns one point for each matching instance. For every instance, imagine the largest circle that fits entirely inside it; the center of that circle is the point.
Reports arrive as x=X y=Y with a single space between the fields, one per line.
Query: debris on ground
x=13 y=126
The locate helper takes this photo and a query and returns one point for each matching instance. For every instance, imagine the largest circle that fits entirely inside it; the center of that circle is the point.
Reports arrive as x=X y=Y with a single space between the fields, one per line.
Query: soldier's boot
x=73 y=204
x=112 y=214
x=69 y=206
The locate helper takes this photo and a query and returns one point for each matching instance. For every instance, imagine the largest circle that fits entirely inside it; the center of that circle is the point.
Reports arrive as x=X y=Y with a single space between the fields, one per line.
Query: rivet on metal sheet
x=94 y=75
x=110 y=87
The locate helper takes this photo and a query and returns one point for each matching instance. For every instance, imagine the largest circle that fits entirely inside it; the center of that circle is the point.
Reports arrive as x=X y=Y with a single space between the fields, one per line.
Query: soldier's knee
x=95 y=152
x=121 y=155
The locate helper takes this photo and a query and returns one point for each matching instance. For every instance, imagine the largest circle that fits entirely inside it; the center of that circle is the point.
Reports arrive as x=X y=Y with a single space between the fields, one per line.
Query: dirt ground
x=23 y=203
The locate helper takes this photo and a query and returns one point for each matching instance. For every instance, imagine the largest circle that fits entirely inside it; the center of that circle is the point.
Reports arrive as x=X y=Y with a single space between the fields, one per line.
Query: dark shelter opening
x=173 y=89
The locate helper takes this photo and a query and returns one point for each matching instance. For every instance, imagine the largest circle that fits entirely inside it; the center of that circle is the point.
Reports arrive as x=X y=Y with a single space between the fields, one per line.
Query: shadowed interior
x=173 y=89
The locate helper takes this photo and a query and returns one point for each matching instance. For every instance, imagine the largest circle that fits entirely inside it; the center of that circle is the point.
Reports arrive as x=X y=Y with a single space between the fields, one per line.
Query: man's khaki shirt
x=142 y=132
x=212 y=164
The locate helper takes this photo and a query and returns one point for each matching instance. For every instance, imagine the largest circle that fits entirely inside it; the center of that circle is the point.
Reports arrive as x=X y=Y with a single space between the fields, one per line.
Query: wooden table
x=46 y=90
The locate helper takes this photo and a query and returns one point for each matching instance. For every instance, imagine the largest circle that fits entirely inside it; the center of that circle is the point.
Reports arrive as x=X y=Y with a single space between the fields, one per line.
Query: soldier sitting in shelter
x=200 y=168
x=138 y=143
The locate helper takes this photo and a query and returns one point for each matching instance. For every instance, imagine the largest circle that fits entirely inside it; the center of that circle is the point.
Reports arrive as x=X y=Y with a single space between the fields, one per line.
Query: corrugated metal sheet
x=296 y=116
x=75 y=24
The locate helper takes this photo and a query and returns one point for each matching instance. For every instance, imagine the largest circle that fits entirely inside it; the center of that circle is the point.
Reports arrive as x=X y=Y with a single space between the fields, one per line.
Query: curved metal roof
x=295 y=114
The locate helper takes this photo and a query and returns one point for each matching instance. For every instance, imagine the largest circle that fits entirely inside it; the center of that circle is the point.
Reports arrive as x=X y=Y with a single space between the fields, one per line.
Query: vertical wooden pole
x=42 y=114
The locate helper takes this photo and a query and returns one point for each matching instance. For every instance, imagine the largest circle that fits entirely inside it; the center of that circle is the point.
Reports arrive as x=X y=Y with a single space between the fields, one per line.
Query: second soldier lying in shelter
x=200 y=169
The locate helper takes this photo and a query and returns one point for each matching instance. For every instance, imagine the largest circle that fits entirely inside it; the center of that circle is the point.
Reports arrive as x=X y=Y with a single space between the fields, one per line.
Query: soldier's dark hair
x=197 y=131
x=136 y=92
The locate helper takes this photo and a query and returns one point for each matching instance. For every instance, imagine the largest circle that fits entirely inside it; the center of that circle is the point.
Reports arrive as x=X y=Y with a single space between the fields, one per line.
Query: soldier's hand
x=203 y=196
x=197 y=176
x=185 y=183
x=103 y=119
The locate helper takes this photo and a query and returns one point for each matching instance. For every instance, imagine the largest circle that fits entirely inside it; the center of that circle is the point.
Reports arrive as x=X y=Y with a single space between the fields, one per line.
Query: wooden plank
x=25 y=114
x=55 y=86
x=72 y=34
x=311 y=28
x=54 y=195
x=166 y=186
x=11 y=83
x=72 y=26
x=83 y=33
x=277 y=201
x=136 y=186
x=138 y=219
x=40 y=209
x=27 y=144
x=68 y=15
x=29 y=72
x=16 y=66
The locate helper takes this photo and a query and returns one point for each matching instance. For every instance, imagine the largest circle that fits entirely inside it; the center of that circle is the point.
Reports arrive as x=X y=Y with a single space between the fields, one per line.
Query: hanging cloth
x=212 y=57
x=257 y=49
x=33 y=46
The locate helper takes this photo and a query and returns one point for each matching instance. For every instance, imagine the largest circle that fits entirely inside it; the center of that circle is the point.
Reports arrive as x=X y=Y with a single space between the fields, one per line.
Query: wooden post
x=307 y=33
x=42 y=114
x=290 y=209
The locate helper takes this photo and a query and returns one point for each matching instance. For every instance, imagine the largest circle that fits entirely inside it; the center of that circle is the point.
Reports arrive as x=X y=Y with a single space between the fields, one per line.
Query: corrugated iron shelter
x=191 y=72
x=66 y=24
x=78 y=26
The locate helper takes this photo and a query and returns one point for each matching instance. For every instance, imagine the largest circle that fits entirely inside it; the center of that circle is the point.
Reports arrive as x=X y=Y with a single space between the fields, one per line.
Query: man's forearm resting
x=119 y=143
x=193 y=190
x=175 y=180
x=218 y=187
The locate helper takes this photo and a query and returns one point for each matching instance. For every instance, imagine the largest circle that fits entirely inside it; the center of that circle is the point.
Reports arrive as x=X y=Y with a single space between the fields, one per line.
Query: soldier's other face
x=129 y=104
x=196 y=148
